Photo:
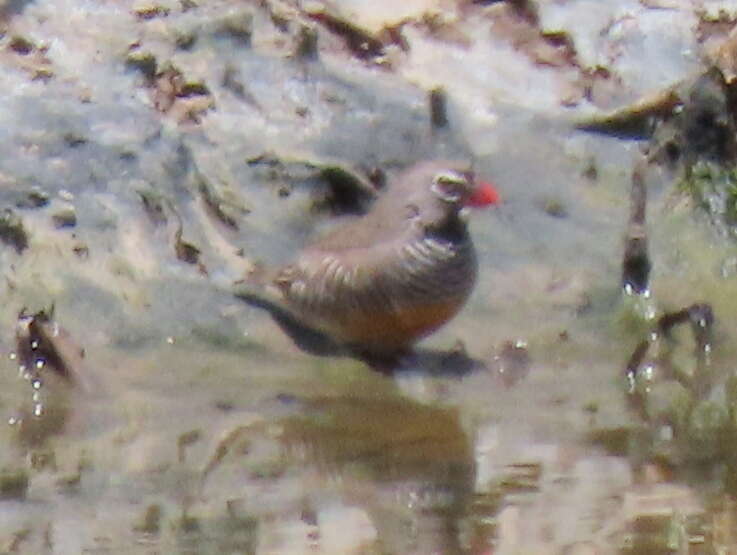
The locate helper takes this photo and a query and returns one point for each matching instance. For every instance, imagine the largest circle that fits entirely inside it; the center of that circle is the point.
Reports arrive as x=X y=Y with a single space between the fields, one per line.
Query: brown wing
x=320 y=283
x=383 y=305
x=384 y=223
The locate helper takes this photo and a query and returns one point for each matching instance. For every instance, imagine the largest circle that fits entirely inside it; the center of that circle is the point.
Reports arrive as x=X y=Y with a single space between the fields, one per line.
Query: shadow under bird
x=384 y=280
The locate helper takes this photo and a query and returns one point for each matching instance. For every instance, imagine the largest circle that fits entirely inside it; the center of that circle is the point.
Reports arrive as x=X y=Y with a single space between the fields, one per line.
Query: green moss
x=672 y=402
x=13 y=484
x=635 y=316
x=616 y=441
x=730 y=390
x=225 y=339
x=714 y=189
x=706 y=430
x=12 y=231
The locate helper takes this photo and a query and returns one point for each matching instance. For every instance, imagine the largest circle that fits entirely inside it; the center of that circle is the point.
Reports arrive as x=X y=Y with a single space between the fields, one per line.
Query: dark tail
x=306 y=338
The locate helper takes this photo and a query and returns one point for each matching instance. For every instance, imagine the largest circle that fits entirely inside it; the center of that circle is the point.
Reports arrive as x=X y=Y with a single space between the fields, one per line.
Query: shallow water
x=196 y=426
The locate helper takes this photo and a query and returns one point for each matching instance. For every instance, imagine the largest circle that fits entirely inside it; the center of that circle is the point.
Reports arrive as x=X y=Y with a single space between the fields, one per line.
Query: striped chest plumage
x=387 y=299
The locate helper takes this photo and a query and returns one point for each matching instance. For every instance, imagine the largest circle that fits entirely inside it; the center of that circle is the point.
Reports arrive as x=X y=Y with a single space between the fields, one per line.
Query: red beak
x=484 y=195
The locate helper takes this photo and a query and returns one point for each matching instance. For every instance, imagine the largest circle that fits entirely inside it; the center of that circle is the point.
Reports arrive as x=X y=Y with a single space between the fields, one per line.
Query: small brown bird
x=386 y=279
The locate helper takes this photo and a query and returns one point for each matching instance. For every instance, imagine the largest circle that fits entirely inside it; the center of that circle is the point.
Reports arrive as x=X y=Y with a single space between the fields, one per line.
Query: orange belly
x=385 y=331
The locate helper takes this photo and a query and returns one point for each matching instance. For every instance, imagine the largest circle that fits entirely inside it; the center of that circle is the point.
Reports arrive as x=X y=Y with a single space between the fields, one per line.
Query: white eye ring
x=449 y=177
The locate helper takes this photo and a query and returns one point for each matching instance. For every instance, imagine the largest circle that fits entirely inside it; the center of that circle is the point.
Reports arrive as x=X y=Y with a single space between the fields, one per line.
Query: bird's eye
x=450 y=186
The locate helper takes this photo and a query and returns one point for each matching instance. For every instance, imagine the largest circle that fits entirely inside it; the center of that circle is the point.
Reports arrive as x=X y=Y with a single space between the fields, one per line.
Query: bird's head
x=438 y=192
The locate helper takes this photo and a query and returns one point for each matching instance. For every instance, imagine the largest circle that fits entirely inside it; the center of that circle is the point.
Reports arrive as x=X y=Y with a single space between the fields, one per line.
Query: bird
x=381 y=282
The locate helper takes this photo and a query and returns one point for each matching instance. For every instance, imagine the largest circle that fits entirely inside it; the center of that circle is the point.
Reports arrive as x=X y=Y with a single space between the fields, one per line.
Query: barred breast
x=433 y=268
x=387 y=303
